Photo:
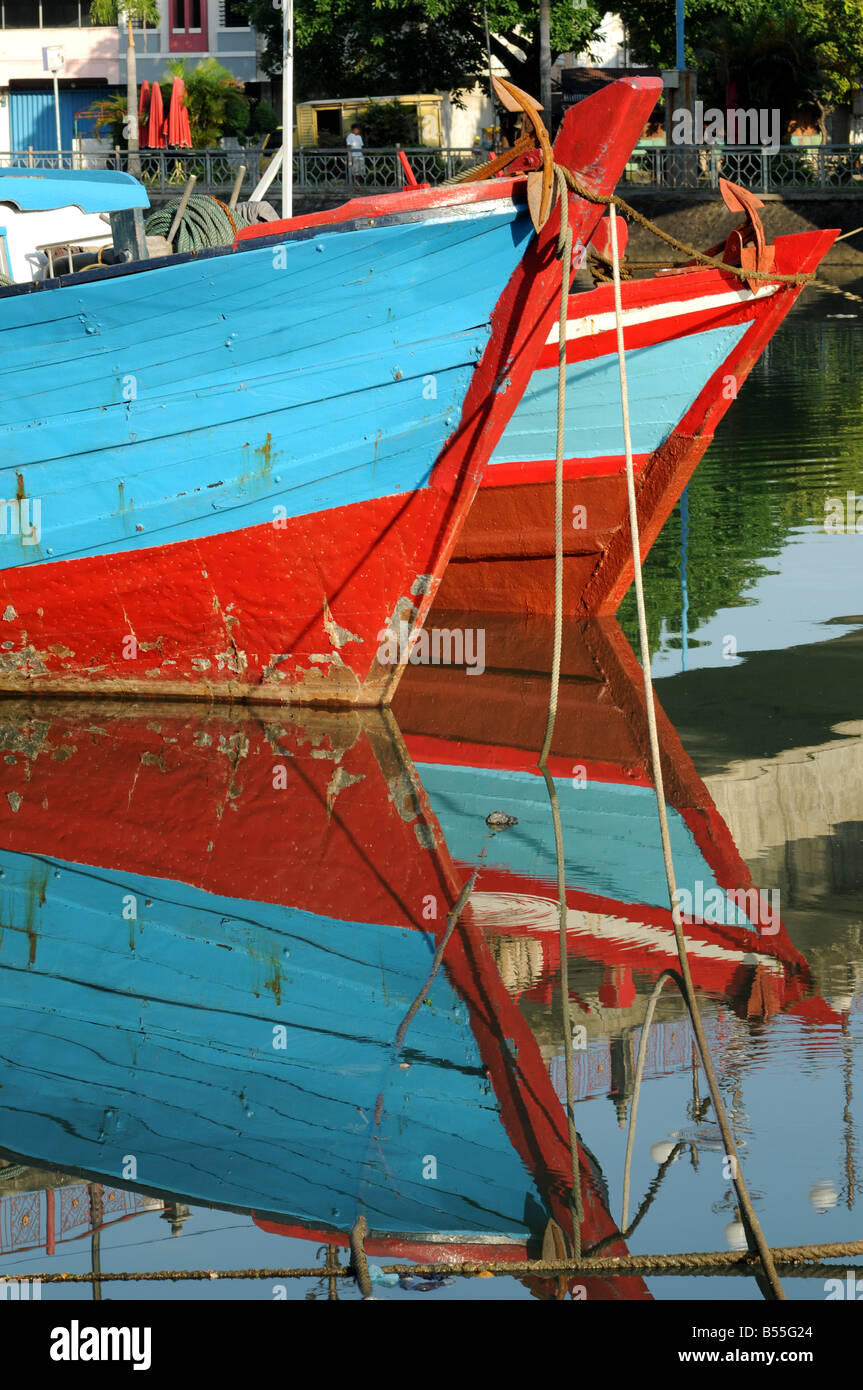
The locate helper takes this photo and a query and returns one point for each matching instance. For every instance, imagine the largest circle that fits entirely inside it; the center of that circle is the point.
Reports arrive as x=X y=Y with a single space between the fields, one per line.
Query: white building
x=95 y=60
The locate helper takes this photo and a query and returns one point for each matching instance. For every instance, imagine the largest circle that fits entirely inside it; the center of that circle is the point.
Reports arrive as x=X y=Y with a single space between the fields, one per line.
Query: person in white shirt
x=356 y=159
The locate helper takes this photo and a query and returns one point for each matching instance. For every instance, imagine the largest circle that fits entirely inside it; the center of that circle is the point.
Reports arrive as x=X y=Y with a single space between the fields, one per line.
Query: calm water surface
x=214 y=925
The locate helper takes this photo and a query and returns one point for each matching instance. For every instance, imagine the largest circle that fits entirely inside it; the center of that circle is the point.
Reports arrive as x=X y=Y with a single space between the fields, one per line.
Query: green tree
x=130 y=12
x=387 y=123
x=264 y=120
x=109 y=113
x=356 y=48
x=776 y=54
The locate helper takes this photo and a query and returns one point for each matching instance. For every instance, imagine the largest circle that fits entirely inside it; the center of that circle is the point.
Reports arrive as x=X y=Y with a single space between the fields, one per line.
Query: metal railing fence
x=820 y=169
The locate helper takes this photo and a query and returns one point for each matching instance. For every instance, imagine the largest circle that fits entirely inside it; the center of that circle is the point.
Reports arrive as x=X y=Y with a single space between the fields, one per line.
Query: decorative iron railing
x=818 y=169
x=321 y=171
x=788 y=169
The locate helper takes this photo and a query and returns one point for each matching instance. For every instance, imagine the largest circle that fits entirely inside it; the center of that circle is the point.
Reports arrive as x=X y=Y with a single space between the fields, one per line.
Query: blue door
x=31 y=116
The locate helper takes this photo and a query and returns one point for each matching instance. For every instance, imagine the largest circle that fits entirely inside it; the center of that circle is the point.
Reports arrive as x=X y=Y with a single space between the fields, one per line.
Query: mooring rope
x=13 y=1170
x=452 y=922
x=755 y=1235
x=800 y=1260
x=564 y=252
x=206 y=221
x=359 y=1266
x=614 y=201
x=636 y=1090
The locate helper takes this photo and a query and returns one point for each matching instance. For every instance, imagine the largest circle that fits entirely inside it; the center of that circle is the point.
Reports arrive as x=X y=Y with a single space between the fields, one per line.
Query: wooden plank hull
x=691 y=341
x=226 y=475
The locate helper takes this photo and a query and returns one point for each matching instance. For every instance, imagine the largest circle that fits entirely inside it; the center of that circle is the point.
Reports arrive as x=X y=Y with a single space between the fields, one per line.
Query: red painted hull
x=296 y=610
x=504 y=560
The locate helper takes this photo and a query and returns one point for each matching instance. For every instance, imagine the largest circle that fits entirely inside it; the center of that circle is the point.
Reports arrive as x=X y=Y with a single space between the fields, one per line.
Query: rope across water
x=755 y=1235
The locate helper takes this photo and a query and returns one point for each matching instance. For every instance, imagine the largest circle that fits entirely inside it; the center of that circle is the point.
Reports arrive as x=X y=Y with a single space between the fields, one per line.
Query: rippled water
x=214 y=927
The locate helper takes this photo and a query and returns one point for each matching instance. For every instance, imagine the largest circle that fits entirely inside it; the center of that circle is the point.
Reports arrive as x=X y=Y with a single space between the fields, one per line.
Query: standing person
x=356 y=159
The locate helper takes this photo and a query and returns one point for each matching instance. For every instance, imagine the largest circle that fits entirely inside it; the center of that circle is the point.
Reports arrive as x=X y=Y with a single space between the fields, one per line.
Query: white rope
x=564 y=251
x=755 y=1235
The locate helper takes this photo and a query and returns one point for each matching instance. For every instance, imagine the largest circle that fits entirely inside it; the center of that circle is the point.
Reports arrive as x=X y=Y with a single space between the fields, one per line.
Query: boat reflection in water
x=477 y=756
x=214 y=925
x=215 y=922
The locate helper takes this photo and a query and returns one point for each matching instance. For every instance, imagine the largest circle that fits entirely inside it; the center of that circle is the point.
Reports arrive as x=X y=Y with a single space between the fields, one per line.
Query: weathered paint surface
x=242 y=455
x=691 y=341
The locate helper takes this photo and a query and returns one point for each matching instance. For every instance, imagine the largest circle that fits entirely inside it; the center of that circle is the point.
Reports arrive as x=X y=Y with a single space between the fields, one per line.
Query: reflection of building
x=606 y=1067
x=95 y=60
x=797 y=817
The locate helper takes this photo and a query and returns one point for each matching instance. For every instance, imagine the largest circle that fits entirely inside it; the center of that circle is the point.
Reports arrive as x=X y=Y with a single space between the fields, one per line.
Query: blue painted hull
x=226 y=473
x=232 y=474
x=196 y=397
x=663 y=380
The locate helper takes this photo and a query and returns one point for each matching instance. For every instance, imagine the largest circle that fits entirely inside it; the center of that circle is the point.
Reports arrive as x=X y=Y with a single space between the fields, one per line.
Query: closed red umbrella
x=145 y=98
x=179 y=132
x=155 y=135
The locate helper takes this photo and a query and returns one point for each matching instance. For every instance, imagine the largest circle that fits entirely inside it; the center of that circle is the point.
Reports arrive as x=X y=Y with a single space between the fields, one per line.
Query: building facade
x=95 y=61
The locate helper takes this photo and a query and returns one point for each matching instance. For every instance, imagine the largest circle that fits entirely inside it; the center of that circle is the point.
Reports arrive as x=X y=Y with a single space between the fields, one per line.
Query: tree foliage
x=215 y=100
x=350 y=48
x=758 y=53
x=388 y=123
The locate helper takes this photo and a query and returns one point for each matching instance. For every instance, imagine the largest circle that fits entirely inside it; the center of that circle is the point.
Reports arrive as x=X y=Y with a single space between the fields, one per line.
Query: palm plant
x=215 y=100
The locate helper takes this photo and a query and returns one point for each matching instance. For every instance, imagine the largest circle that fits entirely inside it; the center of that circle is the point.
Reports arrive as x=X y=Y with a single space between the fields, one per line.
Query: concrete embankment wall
x=703 y=221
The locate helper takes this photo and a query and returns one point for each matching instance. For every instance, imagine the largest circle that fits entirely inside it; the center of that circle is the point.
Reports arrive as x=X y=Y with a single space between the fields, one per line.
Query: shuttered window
x=232 y=15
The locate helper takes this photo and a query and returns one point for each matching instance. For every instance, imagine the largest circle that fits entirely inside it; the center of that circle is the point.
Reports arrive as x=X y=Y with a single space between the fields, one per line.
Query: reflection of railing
x=50 y=1216
x=337 y=171
x=601 y=1069
x=788 y=169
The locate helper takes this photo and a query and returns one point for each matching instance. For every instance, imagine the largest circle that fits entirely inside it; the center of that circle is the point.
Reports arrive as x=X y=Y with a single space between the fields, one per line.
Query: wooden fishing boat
x=691 y=337
x=44 y=209
x=227 y=474
x=213 y=926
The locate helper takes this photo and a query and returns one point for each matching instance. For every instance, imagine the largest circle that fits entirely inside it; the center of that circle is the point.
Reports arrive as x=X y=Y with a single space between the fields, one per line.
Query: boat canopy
x=91 y=190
